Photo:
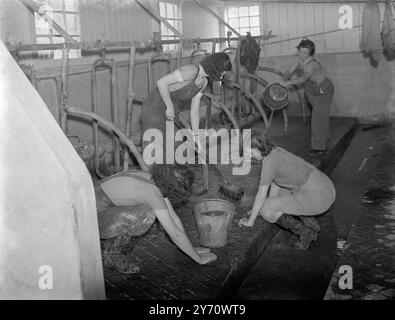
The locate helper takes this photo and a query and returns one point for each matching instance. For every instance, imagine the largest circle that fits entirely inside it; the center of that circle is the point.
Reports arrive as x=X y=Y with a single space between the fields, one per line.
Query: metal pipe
x=129 y=103
x=179 y=59
x=223 y=107
x=168 y=57
x=195 y=53
x=110 y=126
x=124 y=45
x=255 y=102
x=115 y=114
x=213 y=46
x=111 y=65
x=64 y=88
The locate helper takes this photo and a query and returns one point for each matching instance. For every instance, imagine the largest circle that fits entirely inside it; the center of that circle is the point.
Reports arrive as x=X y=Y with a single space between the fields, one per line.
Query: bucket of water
x=213 y=219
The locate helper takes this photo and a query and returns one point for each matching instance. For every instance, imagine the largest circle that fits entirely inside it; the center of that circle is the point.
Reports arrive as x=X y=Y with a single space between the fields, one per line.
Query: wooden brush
x=227 y=188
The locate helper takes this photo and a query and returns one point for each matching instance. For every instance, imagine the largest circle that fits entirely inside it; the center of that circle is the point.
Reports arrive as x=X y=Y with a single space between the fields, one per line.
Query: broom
x=227 y=188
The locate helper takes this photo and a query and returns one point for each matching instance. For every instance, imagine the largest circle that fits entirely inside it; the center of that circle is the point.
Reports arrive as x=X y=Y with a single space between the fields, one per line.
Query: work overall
x=320 y=96
x=153 y=113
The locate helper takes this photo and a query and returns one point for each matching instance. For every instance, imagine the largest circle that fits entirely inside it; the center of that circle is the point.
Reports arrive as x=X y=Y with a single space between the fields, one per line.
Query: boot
x=117 y=254
x=311 y=223
x=305 y=234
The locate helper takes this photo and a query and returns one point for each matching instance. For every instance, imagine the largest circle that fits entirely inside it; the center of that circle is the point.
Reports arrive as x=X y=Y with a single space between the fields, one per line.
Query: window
x=65 y=14
x=172 y=13
x=244 y=19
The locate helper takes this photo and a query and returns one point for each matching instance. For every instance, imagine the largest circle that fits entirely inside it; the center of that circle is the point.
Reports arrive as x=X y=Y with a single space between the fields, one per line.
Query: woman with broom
x=183 y=86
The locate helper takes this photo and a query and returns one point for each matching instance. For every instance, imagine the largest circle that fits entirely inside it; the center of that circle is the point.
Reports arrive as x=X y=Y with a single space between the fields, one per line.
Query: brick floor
x=370 y=246
x=166 y=273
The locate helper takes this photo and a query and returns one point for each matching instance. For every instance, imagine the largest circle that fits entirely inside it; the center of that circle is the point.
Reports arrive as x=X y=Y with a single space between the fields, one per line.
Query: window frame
x=52 y=34
x=238 y=17
x=174 y=19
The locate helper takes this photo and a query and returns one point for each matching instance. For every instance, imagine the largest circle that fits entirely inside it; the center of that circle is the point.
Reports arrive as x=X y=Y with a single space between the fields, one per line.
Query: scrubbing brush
x=227 y=188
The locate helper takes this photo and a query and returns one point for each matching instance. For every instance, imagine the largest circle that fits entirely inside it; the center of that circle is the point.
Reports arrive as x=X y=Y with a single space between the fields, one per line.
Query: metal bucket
x=213 y=219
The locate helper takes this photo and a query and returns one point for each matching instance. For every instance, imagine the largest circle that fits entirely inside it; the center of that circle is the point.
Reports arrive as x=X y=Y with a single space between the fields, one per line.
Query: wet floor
x=286 y=273
x=167 y=273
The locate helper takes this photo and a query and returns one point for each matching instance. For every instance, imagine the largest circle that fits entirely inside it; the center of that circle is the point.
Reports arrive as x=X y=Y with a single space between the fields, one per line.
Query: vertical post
x=64 y=88
x=179 y=60
x=115 y=114
x=237 y=80
x=214 y=44
x=129 y=102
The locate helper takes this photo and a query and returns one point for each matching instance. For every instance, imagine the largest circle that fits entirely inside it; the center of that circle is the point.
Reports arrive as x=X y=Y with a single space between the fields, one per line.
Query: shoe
x=306 y=235
x=117 y=254
x=316 y=152
x=121 y=262
x=311 y=222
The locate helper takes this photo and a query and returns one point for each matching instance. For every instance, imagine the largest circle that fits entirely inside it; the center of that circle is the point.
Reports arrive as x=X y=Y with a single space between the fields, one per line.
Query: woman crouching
x=289 y=187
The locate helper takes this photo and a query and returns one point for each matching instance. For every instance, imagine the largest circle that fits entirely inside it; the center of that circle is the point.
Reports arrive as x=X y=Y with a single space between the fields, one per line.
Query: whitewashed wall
x=296 y=20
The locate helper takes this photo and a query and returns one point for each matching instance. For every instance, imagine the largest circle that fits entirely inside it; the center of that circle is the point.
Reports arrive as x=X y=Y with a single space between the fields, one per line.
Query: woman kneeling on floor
x=297 y=188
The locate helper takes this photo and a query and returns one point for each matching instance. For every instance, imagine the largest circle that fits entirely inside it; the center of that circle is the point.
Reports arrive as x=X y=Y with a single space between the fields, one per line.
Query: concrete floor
x=285 y=273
